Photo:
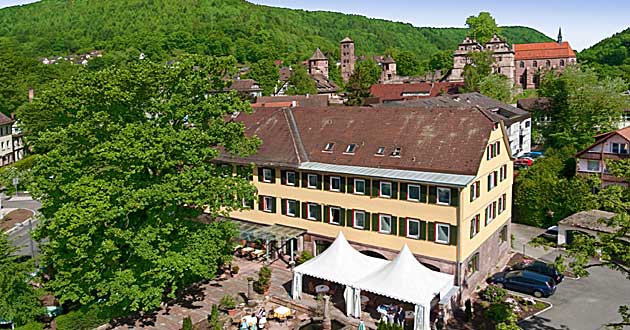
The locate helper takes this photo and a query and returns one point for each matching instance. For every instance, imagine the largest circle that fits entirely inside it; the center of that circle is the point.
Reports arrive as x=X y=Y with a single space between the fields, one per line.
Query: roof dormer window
x=380 y=151
x=351 y=148
x=329 y=147
x=396 y=152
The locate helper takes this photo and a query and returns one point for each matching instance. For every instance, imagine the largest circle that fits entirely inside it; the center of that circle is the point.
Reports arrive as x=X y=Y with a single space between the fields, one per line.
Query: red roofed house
x=613 y=145
x=399 y=92
x=532 y=58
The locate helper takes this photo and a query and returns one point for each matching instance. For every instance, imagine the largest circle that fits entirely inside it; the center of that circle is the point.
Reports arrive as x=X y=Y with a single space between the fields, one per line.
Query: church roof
x=543 y=50
x=388 y=59
x=318 y=55
x=346 y=39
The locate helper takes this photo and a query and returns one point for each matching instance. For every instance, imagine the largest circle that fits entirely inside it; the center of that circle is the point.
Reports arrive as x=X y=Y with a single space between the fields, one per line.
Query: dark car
x=551 y=234
x=541 y=268
x=525 y=281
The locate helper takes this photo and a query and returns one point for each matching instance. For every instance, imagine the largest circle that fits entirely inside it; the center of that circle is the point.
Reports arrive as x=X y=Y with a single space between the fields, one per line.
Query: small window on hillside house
x=267 y=204
x=291 y=207
x=380 y=151
x=413 y=193
x=335 y=215
x=561 y=62
x=312 y=211
x=592 y=165
x=444 y=196
x=535 y=64
x=385 y=224
x=290 y=178
x=474 y=226
x=521 y=64
x=473 y=264
x=359 y=186
x=413 y=228
x=386 y=189
x=351 y=148
x=311 y=181
x=335 y=183
x=266 y=175
x=442 y=233
x=329 y=147
x=358 y=219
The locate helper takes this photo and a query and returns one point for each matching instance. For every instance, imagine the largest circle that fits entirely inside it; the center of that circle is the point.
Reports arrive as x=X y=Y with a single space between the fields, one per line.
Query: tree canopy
x=610 y=57
x=482 y=27
x=266 y=73
x=301 y=82
x=126 y=170
x=366 y=73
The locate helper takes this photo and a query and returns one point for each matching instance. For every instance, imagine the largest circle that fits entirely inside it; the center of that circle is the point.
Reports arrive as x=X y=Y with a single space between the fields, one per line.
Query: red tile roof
x=395 y=92
x=288 y=100
x=543 y=50
x=5 y=120
x=443 y=140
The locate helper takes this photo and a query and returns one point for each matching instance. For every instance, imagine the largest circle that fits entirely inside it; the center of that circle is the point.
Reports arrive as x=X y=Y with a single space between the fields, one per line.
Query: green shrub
x=31 y=326
x=213 y=319
x=187 y=324
x=304 y=257
x=498 y=313
x=493 y=294
x=227 y=302
x=86 y=317
x=264 y=280
x=386 y=326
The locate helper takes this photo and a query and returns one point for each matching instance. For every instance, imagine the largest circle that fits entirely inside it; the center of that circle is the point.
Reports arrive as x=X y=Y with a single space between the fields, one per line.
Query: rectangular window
x=290 y=178
x=592 y=165
x=267 y=175
x=413 y=193
x=619 y=148
x=386 y=189
x=359 y=186
x=473 y=264
x=503 y=234
x=444 y=196
x=267 y=204
x=329 y=147
x=475 y=192
x=311 y=181
x=500 y=205
x=335 y=183
x=359 y=219
x=489 y=213
x=312 y=211
x=291 y=207
x=351 y=148
x=413 y=228
x=442 y=233
x=334 y=215
x=385 y=224
x=474 y=226
x=380 y=151
x=247 y=203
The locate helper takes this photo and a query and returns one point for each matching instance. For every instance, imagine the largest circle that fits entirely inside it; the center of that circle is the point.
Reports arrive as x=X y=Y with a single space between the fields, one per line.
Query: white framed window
x=358 y=219
x=359 y=186
x=592 y=165
x=619 y=148
x=351 y=148
x=311 y=181
x=503 y=173
x=475 y=190
x=267 y=174
x=473 y=264
x=334 y=215
x=290 y=178
x=329 y=147
x=291 y=207
x=247 y=203
x=413 y=228
x=385 y=189
x=311 y=211
x=380 y=151
x=474 y=226
x=442 y=233
x=490 y=213
x=267 y=204
x=335 y=183
x=413 y=193
x=502 y=203
x=444 y=196
x=385 y=224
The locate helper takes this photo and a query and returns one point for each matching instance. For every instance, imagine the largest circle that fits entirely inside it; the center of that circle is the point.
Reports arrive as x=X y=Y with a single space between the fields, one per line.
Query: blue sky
x=583 y=22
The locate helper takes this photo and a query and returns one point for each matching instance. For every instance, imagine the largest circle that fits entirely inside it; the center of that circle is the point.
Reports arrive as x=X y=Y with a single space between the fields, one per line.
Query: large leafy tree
x=266 y=73
x=18 y=300
x=366 y=73
x=125 y=172
x=497 y=86
x=482 y=27
x=300 y=83
x=582 y=106
x=479 y=67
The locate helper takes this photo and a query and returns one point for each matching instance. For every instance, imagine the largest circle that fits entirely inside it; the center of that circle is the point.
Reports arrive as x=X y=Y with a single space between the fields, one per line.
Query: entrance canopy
x=406 y=279
x=280 y=233
x=340 y=263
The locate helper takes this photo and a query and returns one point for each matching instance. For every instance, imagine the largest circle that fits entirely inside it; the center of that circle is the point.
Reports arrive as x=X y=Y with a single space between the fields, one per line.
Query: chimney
x=31 y=94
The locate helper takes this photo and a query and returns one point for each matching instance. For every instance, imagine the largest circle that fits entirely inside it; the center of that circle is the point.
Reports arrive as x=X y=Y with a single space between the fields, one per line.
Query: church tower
x=318 y=64
x=347 y=58
x=559 y=35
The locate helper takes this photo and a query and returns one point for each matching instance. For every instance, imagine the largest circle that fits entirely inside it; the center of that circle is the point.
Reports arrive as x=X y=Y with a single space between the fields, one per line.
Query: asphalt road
x=20 y=236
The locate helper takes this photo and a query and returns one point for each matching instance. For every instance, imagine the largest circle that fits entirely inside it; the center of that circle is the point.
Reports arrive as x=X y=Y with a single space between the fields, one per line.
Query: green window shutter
x=304 y=180
x=486 y=216
x=342 y=217
x=260 y=174
x=326 y=182
x=304 y=211
x=297 y=209
x=375 y=188
x=403 y=191
x=319 y=213
x=423 y=193
x=273 y=204
x=342 y=186
x=350 y=186
x=453 y=235
x=374 y=221
x=395 y=190
x=454 y=197
x=472 y=193
x=298 y=178
x=402 y=226
x=273 y=175
x=431 y=231
x=349 y=219
x=432 y=194
x=368 y=187
x=319 y=182
x=367 y=221
x=326 y=213
x=423 y=230
x=283 y=176
x=283 y=206
x=260 y=203
x=394 y=225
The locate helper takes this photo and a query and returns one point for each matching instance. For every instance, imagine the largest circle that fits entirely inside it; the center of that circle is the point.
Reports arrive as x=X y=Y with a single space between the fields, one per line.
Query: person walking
x=401 y=317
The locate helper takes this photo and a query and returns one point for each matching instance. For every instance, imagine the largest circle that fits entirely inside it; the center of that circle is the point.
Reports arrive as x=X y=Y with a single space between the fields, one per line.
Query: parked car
x=523 y=161
x=540 y=268
x=525 y=281
x=533 y=154
x=551 y=234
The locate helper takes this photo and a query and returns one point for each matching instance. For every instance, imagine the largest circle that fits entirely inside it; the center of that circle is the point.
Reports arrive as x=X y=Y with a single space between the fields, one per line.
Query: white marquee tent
x=404 y=278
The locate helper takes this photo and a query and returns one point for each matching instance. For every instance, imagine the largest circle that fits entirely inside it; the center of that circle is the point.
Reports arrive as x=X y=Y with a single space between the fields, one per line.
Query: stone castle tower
x=347 y=58
x=318 y=64
x=502 y=52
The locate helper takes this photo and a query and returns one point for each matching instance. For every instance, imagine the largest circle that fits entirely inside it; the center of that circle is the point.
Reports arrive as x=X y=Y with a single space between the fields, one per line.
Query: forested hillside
x=611 y=56
x=161 y=28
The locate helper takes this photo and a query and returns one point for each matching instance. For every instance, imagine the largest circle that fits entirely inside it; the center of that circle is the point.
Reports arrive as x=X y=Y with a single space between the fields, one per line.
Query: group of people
x=255 y=321
x=395 y=314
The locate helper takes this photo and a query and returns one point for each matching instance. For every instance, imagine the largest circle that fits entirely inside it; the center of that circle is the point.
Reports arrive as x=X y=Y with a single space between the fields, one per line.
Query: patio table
x=246 y=250
x=322 y=288
x=281 y=312
x=257 y=253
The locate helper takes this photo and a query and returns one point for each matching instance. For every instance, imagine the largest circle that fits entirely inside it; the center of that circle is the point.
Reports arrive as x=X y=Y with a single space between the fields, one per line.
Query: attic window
x=329 y=147
x=396 y=152
x=351 y=148
x=380 y=151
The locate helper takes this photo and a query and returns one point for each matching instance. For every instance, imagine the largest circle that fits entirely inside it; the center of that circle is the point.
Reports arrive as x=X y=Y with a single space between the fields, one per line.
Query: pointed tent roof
x=340 y=263
x=406 y=279
x=388 y=59
x=346 y=39
x=318 y=55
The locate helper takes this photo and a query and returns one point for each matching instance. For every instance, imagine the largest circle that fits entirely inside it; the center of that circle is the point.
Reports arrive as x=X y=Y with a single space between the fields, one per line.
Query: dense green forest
x=611 y=56
x=161 y=28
